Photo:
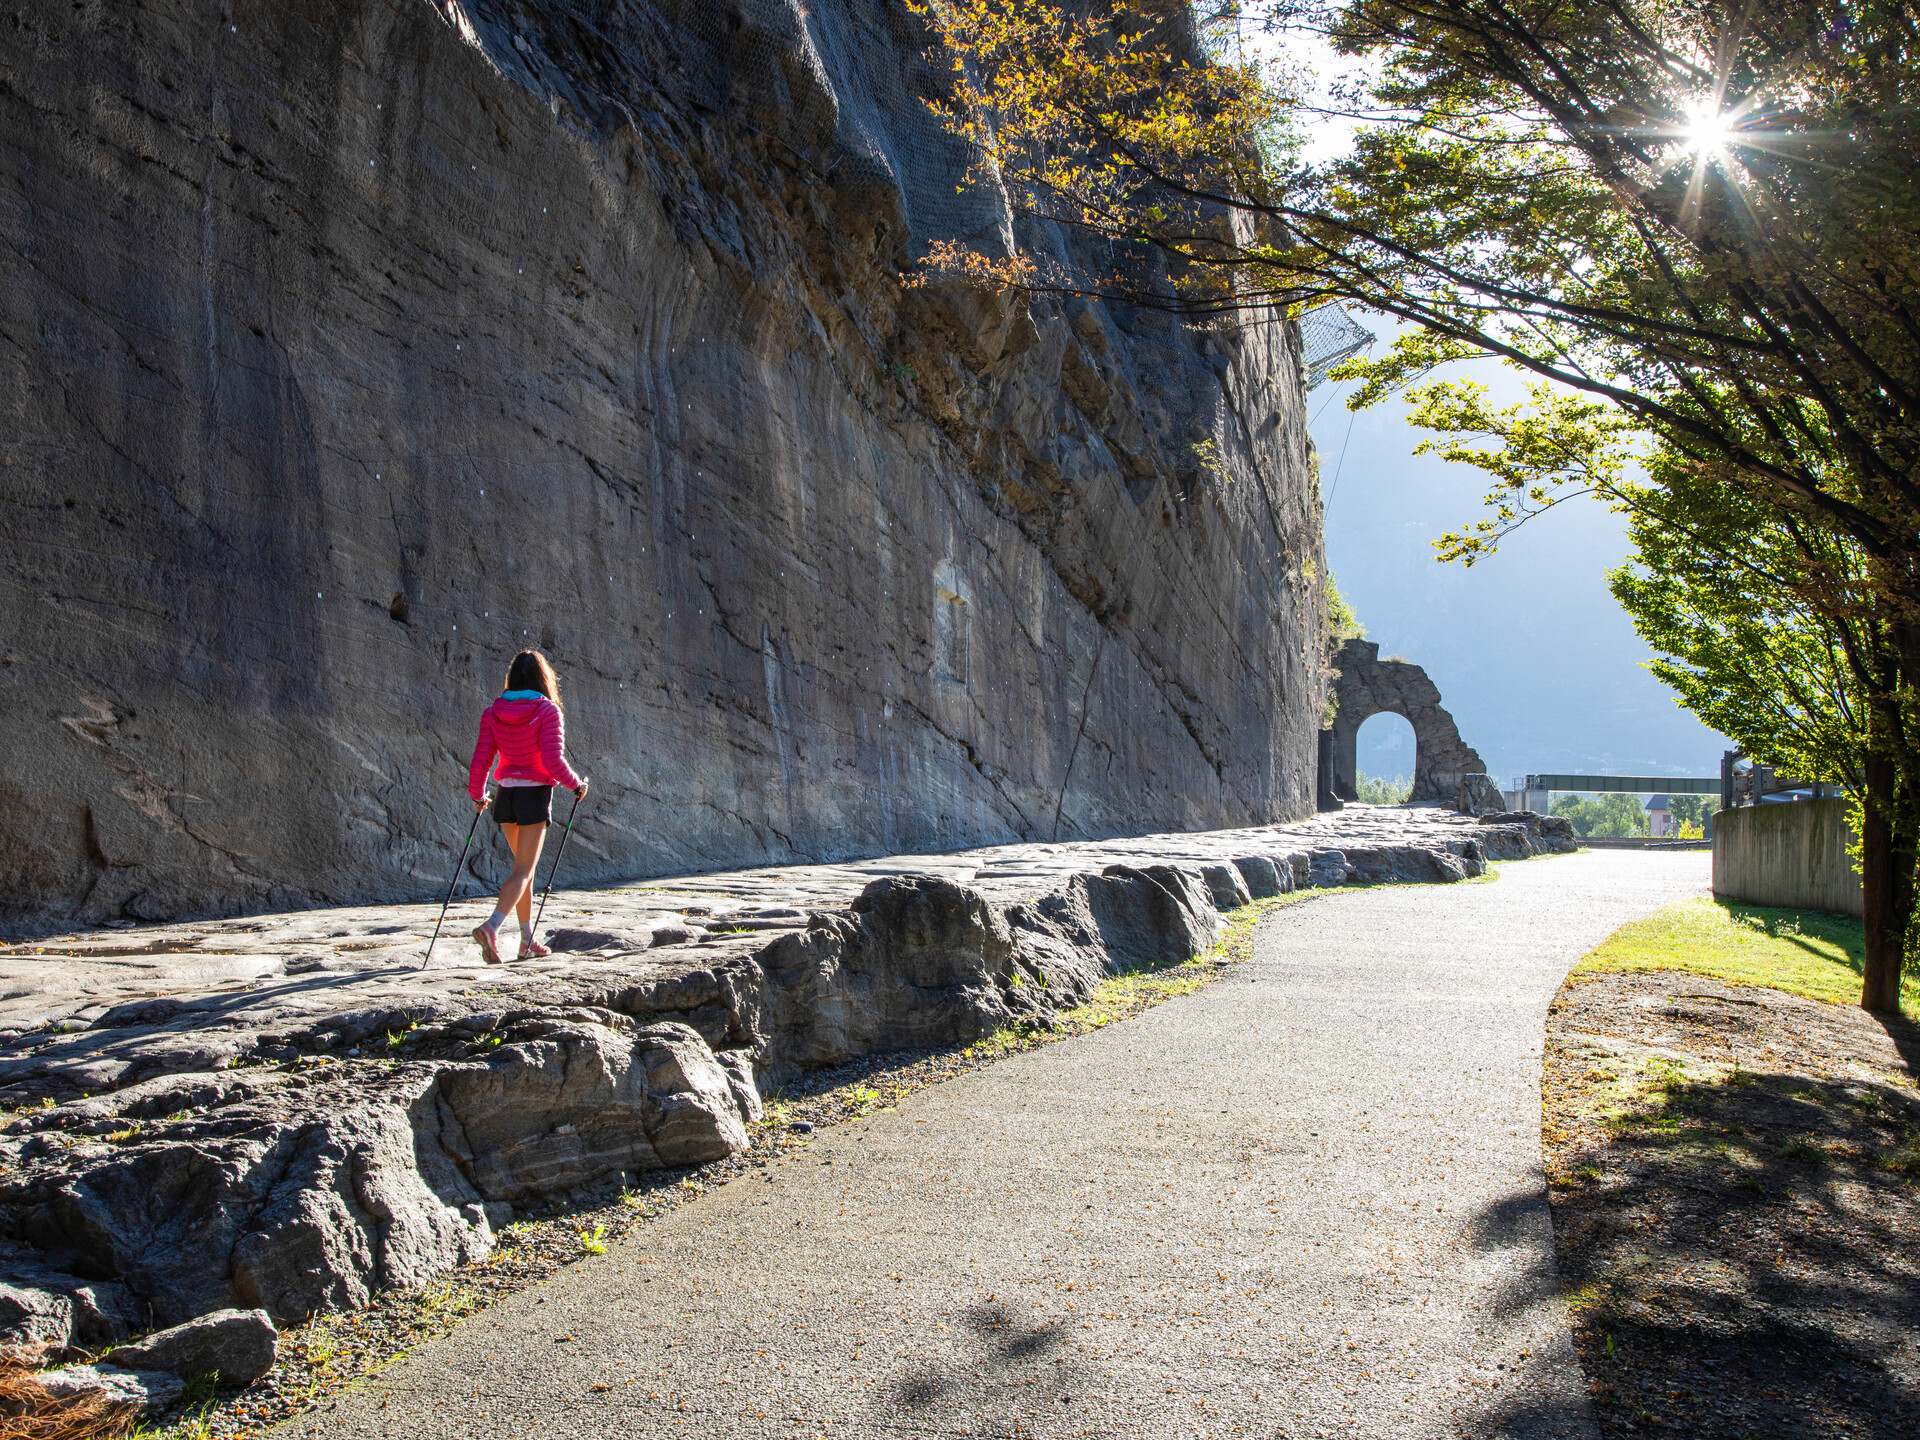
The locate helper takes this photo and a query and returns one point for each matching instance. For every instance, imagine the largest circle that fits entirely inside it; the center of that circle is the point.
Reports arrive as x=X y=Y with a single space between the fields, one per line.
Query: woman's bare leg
x=525 y=842
x=511 y=833
x=517 y=894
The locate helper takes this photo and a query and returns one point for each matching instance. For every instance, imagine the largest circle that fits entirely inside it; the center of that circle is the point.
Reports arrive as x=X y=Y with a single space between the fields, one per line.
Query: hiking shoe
x=489 y=944
x=533 y=950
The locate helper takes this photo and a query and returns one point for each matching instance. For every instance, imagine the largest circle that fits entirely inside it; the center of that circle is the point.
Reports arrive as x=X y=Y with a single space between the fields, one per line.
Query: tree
x=1613 y=815
x=1690 y=811
x=1819 y=690
x=1768 y=625
x=1382 y=789
x=1700 y=219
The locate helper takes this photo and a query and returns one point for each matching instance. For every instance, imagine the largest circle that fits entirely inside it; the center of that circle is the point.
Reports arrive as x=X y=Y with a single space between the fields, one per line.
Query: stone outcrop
x=292 y=1147
x=353 y=347
x=1519 y=834
x=294 y=1188
x=41 y=1304
x=1446 y=769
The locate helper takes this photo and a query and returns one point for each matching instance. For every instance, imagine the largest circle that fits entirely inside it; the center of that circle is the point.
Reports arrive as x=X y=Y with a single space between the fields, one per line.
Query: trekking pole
x=458 y=866
x=556 y=865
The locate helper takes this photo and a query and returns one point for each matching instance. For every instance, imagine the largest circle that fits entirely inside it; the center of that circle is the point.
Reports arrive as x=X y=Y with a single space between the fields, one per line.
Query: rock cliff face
x=349 y=348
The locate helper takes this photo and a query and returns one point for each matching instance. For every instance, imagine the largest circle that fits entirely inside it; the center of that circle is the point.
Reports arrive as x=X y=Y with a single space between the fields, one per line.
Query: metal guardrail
x=1757 y=783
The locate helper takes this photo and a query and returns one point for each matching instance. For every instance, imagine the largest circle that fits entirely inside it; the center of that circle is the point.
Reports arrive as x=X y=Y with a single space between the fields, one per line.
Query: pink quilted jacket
x=530 y=738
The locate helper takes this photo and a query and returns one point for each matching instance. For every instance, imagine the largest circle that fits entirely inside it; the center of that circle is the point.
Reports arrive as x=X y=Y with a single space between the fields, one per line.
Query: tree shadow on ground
x=1739 y=1256
x=1905 y=1036
x=990 y=1374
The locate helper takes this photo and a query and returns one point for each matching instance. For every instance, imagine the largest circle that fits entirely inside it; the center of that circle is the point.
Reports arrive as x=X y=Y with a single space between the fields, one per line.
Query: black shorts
x=523 y=805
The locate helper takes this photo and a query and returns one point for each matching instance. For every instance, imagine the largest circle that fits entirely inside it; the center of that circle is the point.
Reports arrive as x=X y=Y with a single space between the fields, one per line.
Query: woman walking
x=526 y=730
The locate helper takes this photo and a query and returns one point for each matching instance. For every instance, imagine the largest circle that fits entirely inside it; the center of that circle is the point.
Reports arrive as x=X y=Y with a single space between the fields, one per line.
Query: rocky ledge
x=282 y=1114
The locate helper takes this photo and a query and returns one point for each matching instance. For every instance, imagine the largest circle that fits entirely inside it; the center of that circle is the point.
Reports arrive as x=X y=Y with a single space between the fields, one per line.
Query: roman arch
x=1365 y=687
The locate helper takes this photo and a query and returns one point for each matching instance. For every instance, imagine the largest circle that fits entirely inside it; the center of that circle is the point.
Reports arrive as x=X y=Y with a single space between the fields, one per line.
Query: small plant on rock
x=322 y=1350
x=594 y=1241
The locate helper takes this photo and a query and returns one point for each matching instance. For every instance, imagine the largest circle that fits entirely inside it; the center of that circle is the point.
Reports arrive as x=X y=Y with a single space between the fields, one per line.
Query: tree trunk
x=1887 y=855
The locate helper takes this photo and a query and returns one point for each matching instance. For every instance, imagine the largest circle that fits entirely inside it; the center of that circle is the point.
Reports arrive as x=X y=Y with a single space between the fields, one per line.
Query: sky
x=1536 y=661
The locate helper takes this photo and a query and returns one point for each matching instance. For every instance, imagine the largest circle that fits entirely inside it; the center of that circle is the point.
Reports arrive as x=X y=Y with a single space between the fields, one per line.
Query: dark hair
x=530 y=671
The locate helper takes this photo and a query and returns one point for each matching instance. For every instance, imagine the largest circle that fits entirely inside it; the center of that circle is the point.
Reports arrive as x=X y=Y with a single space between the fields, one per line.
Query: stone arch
x=1367 y=686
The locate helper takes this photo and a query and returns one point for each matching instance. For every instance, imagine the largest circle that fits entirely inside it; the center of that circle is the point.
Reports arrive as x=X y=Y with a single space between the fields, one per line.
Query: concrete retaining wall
x=1792 y=855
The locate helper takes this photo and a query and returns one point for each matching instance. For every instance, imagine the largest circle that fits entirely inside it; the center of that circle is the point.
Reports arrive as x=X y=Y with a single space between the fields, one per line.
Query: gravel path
x=1305 y=1201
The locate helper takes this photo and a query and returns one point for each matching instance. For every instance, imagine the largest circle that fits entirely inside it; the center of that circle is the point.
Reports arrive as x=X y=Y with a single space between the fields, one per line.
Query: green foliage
x=1382 y=790
x=1695 y=226
x=201 y=1389
x=1342 y=622
x=1763 y=626
x=1691 y=809
x=1612 y=816
x=1702 y=220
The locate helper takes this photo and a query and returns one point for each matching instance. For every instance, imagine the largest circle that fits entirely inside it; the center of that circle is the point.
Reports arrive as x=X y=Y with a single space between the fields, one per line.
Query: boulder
x=352 y=1209
x=1225 y=885
x=1262 y=877
x=569 y=1104
x=1150 y=916
x=691 y=1115
x=34 y=1317
x=151 y=1390
x=1516 y=834
x=930 y=963
x=1479 y=795
x=1328 y=868
x=235 y=1345
x=39 y=1304
x=746 y=1094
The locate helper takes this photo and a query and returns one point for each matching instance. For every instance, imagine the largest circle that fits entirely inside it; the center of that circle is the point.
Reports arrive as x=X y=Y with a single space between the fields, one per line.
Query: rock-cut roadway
x=1304 y=1201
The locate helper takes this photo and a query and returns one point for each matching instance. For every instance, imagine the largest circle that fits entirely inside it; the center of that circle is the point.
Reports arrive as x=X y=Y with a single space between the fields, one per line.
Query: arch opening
x=1386 y=758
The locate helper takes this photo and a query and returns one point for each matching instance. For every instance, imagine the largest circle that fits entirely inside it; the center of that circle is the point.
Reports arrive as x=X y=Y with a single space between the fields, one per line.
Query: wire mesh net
x=1328 y=335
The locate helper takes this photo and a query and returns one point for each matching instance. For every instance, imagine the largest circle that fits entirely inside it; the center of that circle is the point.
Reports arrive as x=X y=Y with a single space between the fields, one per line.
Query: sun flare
x=1708 y=128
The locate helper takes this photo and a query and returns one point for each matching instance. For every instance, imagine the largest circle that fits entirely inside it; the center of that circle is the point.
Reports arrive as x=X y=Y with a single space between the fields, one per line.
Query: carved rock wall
x=346 y=349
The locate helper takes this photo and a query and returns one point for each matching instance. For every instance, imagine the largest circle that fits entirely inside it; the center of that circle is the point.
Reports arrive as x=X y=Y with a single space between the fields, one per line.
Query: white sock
x=526 y=934
x=495 y=921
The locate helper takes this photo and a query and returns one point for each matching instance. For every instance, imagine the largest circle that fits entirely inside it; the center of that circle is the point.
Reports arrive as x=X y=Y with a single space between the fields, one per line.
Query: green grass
x=1800 y=951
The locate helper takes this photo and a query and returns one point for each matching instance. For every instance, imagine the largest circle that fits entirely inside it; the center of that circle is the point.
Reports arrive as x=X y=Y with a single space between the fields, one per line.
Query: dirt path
x=1305 y=1201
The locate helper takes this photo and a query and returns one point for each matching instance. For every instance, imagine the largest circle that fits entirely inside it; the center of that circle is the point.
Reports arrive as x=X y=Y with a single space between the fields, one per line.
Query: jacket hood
x=517 y=712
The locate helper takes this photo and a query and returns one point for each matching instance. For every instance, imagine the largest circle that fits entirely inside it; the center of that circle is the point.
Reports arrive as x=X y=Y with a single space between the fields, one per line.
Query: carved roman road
x=1307 y=1200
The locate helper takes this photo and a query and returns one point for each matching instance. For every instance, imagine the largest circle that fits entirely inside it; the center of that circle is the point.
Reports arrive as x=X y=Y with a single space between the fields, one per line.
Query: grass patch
x=1799 y=951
